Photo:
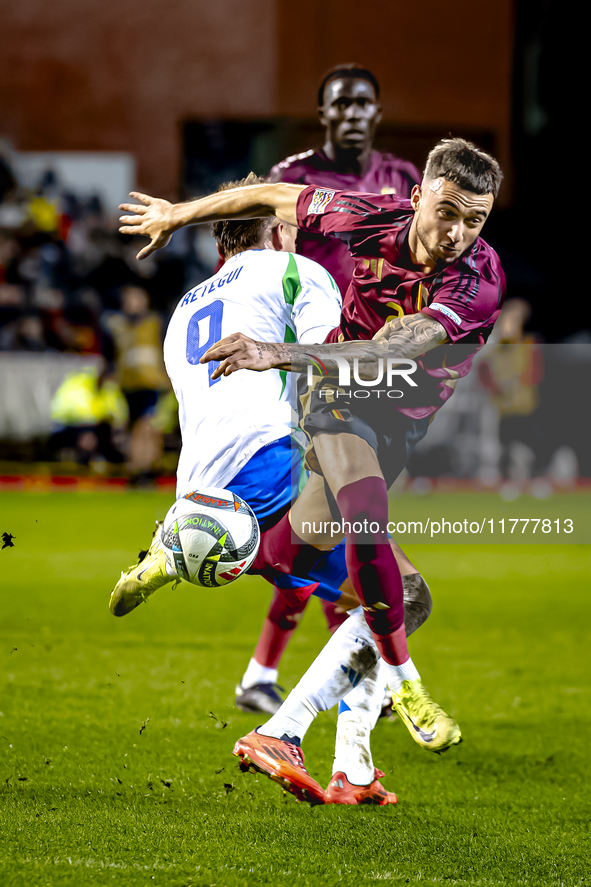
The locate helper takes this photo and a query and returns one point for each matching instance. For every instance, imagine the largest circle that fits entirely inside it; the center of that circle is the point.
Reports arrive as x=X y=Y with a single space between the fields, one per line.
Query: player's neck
x=349 y=162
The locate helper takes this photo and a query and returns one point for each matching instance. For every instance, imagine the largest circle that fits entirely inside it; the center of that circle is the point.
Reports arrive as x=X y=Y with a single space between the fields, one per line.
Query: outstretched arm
x=158 y=219
x=405 y=338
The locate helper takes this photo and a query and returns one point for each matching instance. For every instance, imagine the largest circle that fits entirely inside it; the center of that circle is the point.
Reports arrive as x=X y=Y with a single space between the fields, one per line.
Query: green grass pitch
x=116 y=734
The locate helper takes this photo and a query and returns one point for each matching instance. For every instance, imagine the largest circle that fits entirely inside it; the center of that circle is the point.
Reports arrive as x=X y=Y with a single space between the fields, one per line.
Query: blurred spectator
x=87 y=410
x=106 y=265
x=79 y=331
x=69 y=282
x=28 y=333
x=512 y=371
x=51 y=302
x=57 y=242
x=510 y=325
x=44 y=207
x=42 y=261
x=137 y=336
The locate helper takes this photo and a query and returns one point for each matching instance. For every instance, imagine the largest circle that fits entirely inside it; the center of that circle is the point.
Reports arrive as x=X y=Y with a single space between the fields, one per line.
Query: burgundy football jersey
x=386 y=175
x=465 y=297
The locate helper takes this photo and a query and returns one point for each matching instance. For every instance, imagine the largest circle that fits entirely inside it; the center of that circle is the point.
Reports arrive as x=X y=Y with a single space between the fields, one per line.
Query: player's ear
x=415 y=197
x=379 y=114
x=277 y=236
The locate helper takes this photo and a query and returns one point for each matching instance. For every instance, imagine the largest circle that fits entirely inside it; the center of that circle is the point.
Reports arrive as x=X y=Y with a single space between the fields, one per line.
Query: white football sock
x=396 y=674
x=293 y=718
x=258 y=674
x=347 y=658
x=360 y=711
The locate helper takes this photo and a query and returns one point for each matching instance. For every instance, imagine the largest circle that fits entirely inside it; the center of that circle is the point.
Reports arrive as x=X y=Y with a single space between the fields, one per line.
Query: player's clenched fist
x=238 y=352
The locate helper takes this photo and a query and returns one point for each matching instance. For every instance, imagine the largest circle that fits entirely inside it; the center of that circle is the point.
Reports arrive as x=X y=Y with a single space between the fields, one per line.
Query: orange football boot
x=340 y=791
x=281 y=761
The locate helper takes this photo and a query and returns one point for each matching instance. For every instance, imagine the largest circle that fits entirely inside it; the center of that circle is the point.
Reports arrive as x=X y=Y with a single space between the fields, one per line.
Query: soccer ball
x=210 y=537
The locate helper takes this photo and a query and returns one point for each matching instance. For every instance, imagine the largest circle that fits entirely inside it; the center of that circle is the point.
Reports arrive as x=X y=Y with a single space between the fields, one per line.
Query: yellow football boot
x=427 y=723
x=141 y=579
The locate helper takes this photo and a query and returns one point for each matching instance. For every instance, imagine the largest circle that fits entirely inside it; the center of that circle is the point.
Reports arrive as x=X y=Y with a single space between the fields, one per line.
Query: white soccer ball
x=210 y=537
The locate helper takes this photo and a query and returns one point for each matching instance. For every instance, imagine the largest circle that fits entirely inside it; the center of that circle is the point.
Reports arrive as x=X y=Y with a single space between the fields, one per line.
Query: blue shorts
x=269 y=482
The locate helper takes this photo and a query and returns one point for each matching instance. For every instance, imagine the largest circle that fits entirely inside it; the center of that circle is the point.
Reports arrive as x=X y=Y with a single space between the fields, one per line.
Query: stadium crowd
x=63 y=266
x=71 y=284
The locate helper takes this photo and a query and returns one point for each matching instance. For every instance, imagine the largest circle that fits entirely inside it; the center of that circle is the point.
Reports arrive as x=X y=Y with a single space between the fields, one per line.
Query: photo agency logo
x=362 y=377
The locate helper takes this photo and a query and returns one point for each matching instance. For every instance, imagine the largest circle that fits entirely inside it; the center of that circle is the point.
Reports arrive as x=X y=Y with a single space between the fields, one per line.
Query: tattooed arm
x=412 y=335
x=238 y=352
x=404 y=338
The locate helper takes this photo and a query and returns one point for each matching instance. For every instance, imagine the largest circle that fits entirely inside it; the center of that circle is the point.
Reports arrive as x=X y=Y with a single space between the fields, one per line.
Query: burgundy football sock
x=283 y=551
x=371 y=564
x=281 y=621
x=393 y=647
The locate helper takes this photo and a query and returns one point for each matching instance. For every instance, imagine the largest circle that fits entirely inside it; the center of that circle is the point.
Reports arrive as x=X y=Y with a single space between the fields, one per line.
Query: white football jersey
x=267 y=295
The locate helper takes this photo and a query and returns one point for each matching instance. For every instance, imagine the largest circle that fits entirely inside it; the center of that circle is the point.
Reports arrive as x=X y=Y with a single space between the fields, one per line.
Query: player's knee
x=417 y=602
x=334 y=616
